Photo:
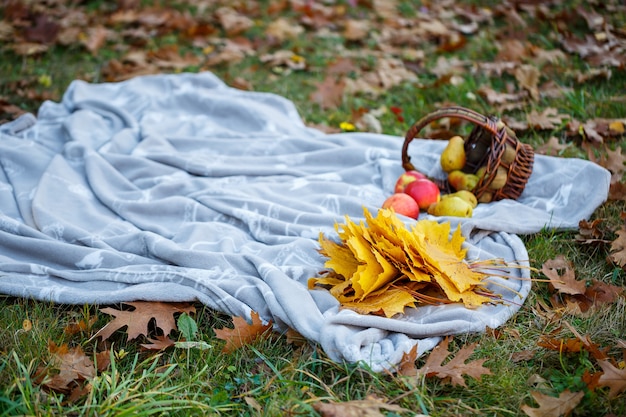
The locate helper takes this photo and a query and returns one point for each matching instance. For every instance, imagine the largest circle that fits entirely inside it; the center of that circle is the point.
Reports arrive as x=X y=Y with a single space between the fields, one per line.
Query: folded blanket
x=179 y=188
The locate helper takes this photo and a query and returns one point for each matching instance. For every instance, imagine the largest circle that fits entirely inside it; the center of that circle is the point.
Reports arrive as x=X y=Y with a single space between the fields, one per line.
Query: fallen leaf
x=456 y=367
x=44 y=30
x=562 y=276
x=356 y=30
x=613 y=377
x=160 y=342
x=95 y=38
x=282 y=29
x=522 y=355
x=527 y=77
x=80 y=326
x=67 y=368
x=138 y=320
x=546 y=120
x=329 y=93
x=550 y=406
x=407 y=363
x=590 y=232
x=243 y=332
x=572 y=345
x=232 y=22
x=618 y=248
x=552 y=147
x=369 y=407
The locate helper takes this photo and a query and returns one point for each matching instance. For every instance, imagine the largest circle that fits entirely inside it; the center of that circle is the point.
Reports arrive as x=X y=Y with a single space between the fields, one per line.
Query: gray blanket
x=179 y=188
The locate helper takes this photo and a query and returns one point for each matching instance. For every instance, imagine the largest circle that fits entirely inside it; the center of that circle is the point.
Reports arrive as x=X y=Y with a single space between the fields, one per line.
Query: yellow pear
x=486 y=197
x=455 y=178
x=509 y=154
x=451 y=206
x=469 y=182
x=500 y=179
x=453 y=156
x=464 y=195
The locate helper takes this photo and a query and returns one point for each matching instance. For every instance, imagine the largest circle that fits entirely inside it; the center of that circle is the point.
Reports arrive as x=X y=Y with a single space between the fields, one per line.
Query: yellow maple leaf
x=390 y=302
x=340 y=258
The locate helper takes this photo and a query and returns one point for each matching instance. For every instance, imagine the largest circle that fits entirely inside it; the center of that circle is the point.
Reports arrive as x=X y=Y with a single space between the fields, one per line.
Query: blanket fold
x=179 y=188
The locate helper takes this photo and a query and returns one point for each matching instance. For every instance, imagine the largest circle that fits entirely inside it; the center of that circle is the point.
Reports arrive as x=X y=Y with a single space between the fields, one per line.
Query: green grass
x=272 y=376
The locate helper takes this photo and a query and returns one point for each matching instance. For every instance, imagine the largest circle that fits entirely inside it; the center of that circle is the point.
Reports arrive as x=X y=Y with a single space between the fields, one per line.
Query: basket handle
x=489 y=123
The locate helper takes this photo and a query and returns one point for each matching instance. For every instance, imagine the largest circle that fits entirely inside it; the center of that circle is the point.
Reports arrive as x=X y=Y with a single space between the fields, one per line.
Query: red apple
x=424 y=192
x=407 y=178
x=403 y=204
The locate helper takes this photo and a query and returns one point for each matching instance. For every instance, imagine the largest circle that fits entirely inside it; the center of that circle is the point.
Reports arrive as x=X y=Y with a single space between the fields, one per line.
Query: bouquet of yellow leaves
x=383 y=267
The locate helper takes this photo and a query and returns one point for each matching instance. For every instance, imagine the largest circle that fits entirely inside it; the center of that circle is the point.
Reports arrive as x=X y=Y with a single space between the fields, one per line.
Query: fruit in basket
x=424 y=192
x=460 y=180
x=508 y=156
x=455 y=177
x=453 y=156
x=464 y=195
x=499 y=180
x=406 y=178
x=402 y=204
x=486 y=197
x=451 y=206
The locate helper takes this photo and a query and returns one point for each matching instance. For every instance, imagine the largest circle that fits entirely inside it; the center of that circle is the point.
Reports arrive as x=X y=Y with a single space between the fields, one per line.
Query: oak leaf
x=546 y=120
x=456 y=367
x=138 y=319
x=73 y=367
x=590 y=232
x=407 y=363
x=243 y=332
x=613 y=377
x=562 y=276
x=550 y=406
x=618 y=248
x=551 y=147
x=160 y=342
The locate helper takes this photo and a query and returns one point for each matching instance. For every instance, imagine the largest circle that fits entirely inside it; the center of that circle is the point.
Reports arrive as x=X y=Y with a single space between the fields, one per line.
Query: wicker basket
x=485 y=146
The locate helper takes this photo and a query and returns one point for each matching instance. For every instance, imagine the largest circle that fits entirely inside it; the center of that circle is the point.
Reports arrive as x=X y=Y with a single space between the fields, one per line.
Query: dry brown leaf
x=613 y=377
x=160 y=342
x=550 y=406
x=138 y=319
x=527 y=77
x=618 y=248
x=329 y=93
x=369 y=407
x=407 y=364
x=95 y=38
x=282 y=29
x=232 y=22
x=546 y=120
x=552 y=147
x=572 y=345
x=356 y=30
x=80 y=326
x=68 y=367
x=456 y=367
x=590 y=232
x=562 y=276
x=522 y=355
x=243 y=332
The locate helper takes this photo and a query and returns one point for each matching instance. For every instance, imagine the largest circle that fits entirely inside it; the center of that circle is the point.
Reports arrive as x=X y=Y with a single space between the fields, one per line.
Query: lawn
x=553 y=71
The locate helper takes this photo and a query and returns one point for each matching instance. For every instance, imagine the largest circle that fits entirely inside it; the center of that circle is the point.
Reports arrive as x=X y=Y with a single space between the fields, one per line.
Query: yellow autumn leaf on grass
x=381 y=267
